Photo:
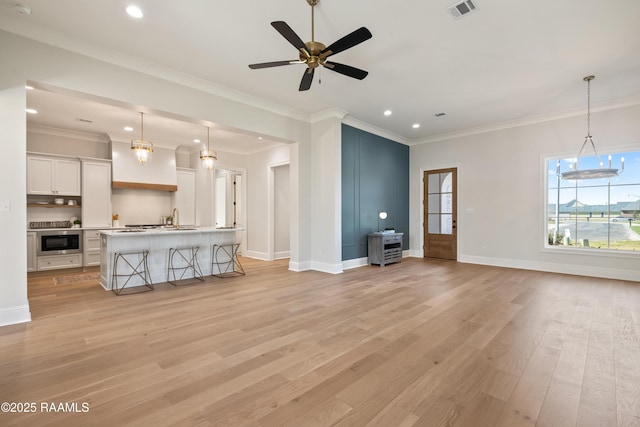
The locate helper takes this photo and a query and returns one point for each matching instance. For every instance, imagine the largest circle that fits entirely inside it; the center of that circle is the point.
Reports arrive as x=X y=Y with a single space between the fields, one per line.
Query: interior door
x=440 y=214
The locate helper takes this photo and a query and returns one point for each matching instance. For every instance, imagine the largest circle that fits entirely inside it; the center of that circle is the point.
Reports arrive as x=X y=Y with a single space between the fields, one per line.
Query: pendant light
x=208 y=156
x=140 y=147
x=575 y=173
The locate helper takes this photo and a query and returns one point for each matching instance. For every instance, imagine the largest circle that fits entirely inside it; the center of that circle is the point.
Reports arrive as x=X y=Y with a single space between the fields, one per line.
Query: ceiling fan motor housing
x=313 y=60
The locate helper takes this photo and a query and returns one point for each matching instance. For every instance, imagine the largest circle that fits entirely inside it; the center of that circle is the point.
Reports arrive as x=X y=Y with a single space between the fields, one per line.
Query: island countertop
x=165 y=230
x=158 y=241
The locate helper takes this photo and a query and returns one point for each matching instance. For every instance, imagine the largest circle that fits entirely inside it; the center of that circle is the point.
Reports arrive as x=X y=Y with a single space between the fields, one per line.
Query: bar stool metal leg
x=187 y=261
x=137 y=264
x=225 y=259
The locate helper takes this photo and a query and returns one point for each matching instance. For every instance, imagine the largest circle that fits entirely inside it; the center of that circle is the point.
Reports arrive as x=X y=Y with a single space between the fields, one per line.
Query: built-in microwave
x=59 y=242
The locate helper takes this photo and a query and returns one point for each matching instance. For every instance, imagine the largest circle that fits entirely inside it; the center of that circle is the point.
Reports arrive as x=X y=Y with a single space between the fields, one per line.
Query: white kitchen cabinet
x=91 y=248
x=185 y=198
x=54 y=262
x=53 y=176
x=32 y=262
x=96 y=193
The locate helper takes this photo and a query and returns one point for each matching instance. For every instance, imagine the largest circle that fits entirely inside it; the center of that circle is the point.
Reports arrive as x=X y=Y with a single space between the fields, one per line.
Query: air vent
x=461 y=9
x=80 y=119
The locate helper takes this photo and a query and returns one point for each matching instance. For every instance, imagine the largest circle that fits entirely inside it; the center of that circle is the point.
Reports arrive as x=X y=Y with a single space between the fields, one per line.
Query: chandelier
x=207 y=156
x=575 y=173
x=142 y=148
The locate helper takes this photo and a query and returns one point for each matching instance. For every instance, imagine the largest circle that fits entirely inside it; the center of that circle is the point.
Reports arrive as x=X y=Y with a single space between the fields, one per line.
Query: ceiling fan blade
x=348 y=41
x=272 y=64
x=290 y=35
x=307 y=78
x=347 y=70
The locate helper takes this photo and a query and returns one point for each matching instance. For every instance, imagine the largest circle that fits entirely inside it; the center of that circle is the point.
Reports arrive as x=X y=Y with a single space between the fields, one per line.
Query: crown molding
x=328 y=114
x=150 y=68
x=65 y=133
x=604 y=106
x=367 y=127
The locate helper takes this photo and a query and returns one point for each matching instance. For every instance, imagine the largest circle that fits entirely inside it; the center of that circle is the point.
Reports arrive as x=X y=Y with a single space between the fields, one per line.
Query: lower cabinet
x=53 y=262
x=32 y=263
x=91 y=248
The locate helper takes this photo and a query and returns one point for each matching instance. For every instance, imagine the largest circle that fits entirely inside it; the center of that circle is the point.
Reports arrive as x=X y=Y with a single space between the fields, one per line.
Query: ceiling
x=506 y=62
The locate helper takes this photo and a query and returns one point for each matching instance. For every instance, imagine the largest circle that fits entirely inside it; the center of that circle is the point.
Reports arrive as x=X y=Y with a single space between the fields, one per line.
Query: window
x=594 y=213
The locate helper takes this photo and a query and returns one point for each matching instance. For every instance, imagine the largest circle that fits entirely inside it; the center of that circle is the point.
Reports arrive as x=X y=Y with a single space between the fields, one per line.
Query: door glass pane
x=447 y=182
x=434 y=183
x=434 y=224
x=447 y=203
x=447 y=224
x=434 y=203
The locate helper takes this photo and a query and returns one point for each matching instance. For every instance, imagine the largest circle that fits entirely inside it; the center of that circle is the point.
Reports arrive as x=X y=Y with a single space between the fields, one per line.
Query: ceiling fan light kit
x=575 y=173
x=314 y=54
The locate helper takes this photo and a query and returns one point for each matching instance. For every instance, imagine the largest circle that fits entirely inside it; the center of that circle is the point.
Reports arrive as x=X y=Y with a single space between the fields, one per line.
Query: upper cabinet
x=53 y=176
x=96 y=193
x=185 y=198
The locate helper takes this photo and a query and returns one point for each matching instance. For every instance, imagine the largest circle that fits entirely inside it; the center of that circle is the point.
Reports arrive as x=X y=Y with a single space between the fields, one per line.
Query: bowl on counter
x=58 y=201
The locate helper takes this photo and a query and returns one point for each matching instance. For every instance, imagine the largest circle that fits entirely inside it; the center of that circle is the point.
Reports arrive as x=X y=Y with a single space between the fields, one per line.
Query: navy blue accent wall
x=375 y=177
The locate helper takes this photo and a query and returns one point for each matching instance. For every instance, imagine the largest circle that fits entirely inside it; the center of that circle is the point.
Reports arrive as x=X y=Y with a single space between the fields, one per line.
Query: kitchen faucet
x=176 y=214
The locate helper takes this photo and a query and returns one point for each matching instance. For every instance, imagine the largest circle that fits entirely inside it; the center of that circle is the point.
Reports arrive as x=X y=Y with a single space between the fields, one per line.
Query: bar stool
x=225 y=258
x=187 y=260
x=136 y=264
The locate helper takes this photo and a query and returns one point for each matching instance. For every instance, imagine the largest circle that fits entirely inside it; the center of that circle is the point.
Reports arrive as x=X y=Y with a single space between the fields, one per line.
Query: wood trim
x=144 y=186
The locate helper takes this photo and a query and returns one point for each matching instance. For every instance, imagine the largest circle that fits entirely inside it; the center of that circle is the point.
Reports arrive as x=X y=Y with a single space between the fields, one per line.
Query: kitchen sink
x=129 y=231
x=179 y=229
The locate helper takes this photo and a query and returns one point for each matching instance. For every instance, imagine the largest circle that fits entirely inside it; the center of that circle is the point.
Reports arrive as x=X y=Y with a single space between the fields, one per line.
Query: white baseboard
x=282 y=255
x=355 y=263
x=361 y=262
x=14 y=315
x=578 y=270
x=299 y=266
x=263 y=256
x=326 y=268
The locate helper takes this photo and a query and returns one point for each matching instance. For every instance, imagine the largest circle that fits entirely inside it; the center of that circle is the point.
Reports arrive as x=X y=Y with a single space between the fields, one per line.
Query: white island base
x=158 y=242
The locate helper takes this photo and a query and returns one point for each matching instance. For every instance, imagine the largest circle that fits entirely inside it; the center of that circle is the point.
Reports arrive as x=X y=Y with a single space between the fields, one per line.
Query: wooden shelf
x=50 y=205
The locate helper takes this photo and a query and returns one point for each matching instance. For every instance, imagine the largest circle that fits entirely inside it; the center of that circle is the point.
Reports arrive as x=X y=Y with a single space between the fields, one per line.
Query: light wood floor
x=421 y=343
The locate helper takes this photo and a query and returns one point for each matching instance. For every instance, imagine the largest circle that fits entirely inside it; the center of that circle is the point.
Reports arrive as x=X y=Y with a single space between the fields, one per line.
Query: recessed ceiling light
x=260 y=137
x=196 y=141
x=31 y=111
x=27 y=87
x=416 y=125
x=128 y=128
x=388 y=112
x=134 y=11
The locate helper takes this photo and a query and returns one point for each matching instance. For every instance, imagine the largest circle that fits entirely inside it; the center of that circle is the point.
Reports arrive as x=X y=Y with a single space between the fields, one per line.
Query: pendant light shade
x=208 y=156
x=575 y=173
x=142 y=149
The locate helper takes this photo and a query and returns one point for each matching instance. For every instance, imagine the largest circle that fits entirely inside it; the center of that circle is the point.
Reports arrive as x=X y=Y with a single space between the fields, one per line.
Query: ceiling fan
x=315 y=54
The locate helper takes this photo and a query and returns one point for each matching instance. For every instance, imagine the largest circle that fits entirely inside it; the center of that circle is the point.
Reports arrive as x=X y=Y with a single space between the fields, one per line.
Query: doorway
x=440 y=214
x=279 y=239
x=229 y=201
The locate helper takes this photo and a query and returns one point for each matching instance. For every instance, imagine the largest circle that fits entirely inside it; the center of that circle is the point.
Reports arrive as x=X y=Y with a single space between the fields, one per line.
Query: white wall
x=281 y=189
x=14 y=306
x=67 y=143
x=500 y=179
x=140 y=206
x=38 y=62
x=259 y=191
x=326 y=187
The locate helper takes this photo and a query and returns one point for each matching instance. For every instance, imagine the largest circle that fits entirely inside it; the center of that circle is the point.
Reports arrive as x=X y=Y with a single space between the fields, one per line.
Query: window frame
x=544 y=201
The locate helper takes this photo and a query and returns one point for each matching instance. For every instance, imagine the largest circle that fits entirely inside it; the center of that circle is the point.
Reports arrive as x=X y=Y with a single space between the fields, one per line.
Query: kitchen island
x=158 y=241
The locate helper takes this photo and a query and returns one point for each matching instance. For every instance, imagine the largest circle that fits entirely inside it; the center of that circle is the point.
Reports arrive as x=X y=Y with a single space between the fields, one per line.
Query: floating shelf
x=50 y=205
